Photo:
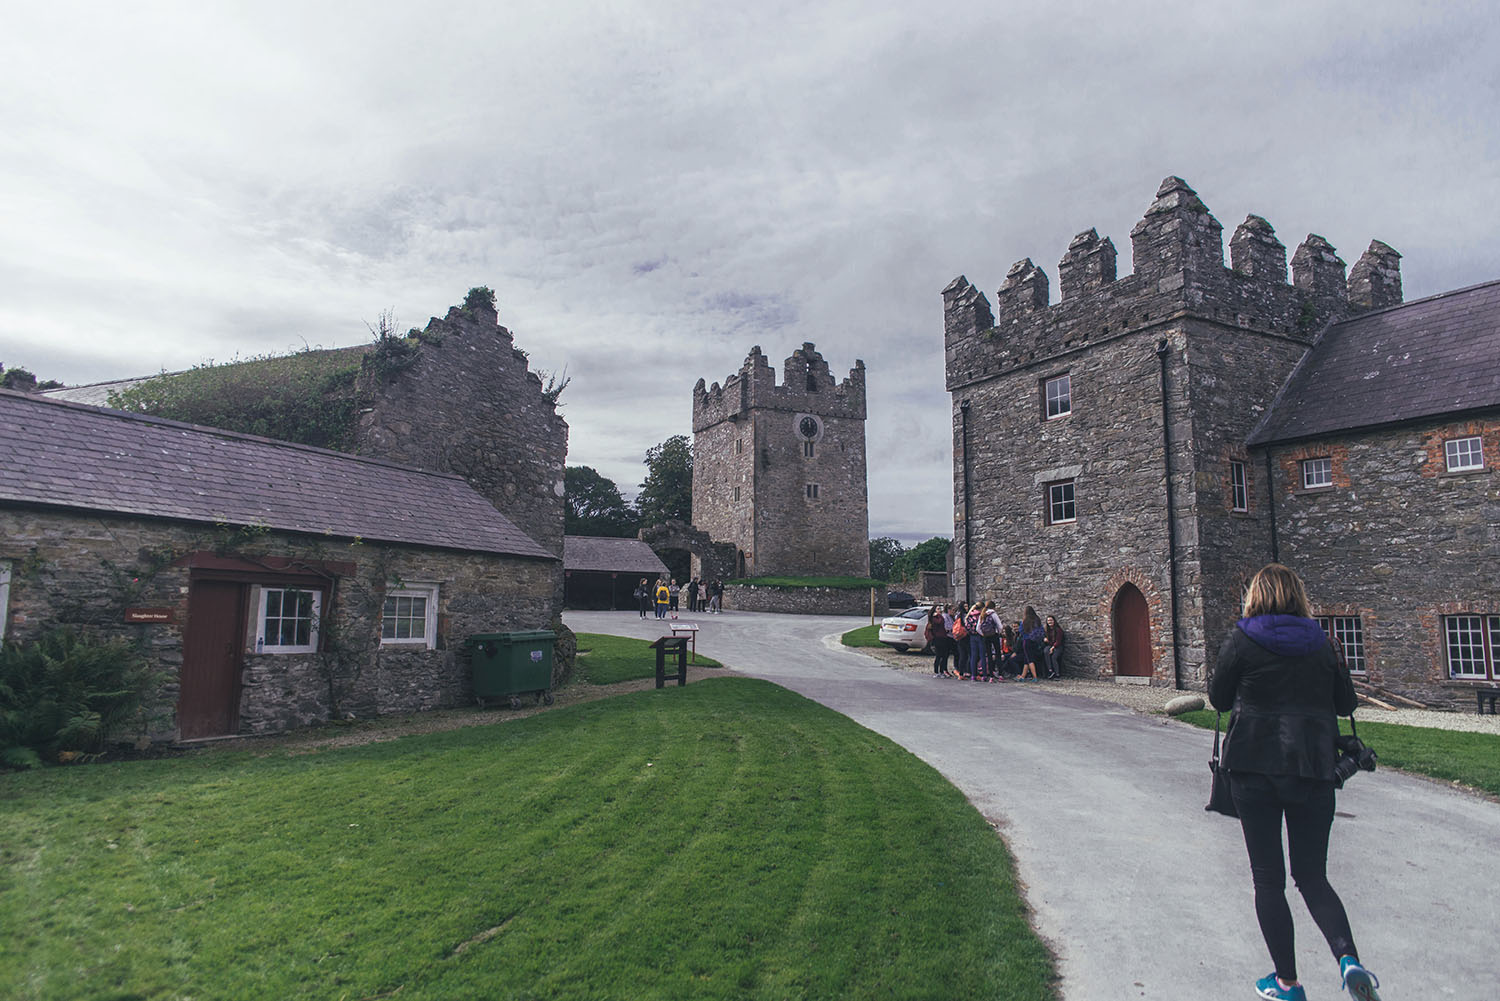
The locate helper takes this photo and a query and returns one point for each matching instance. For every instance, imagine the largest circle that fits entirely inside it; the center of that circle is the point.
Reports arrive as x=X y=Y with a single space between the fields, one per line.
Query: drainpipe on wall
x=963 y=411
x=1162 y=350
x=1271 y=508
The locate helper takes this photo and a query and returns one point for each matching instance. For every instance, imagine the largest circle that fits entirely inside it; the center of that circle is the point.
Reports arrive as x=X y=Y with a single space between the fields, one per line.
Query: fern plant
x=67 y=694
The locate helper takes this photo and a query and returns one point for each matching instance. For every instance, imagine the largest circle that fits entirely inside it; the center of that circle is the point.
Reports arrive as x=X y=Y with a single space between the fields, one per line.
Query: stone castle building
x=1127 y=457
x=779 y=470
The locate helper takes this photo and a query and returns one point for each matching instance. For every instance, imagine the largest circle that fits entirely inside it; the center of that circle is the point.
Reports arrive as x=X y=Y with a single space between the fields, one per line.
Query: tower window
x=739 y=445
x=812 y=491
x=1061 y=507
x=736 y=493
x=1057 y=396
x=1239 y=497
x=807 y=449
x=812 y=381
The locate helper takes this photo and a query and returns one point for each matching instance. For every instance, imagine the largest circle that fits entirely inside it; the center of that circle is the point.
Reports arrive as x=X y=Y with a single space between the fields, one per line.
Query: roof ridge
x=110 y=412
x=1412 y=302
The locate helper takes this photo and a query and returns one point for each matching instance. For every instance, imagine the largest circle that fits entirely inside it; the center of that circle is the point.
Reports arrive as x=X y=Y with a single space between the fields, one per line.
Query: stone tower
x=779 y=470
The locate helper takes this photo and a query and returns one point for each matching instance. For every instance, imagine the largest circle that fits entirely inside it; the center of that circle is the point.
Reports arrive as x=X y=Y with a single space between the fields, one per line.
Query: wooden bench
x=1483 y=696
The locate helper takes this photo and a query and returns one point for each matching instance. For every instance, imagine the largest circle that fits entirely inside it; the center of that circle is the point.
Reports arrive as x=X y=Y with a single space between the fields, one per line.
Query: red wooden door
x=209 y=700
x=1132 y=633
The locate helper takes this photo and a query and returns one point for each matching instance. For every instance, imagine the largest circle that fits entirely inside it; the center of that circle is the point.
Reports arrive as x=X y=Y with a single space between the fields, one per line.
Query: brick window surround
x=1435 y=447
x=1471 y=646
x=1291 y=463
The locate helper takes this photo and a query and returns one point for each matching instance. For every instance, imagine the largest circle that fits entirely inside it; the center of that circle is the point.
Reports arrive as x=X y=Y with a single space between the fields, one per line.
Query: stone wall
x=83 y=570
x=754 y=483
x=468 y=404
x=1399 y=542
x=1228 y=336
x=802 y=600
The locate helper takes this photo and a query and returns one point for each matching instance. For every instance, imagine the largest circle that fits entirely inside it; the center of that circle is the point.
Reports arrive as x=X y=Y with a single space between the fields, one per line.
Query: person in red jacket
x=1052 y=643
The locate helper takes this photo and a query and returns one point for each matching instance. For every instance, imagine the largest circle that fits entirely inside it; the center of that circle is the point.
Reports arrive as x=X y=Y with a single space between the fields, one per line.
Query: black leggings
x=1262 y=801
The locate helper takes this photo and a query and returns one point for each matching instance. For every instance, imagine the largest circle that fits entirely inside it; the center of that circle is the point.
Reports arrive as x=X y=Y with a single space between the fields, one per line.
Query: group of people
x=667 y=596
x=972 y=642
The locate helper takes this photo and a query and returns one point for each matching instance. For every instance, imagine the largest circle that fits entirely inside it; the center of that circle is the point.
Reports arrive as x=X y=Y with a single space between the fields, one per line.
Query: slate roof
x=1422 y=359
x=73 y=456
x=592 y=552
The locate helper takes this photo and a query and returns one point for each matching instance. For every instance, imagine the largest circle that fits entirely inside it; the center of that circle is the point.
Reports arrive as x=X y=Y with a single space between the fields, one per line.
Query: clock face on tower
x=808 y=427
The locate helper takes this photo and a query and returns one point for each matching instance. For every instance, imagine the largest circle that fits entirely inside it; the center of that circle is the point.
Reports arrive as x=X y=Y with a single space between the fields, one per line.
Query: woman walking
x=1286 y=686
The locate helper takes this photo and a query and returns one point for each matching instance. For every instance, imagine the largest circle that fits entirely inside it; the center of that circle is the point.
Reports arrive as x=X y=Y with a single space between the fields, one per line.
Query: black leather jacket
x=1284 y=707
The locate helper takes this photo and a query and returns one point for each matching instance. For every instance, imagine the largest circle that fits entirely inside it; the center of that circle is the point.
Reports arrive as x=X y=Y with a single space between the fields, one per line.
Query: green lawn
x=863 y=636
x=605 y=660
x=1472 y=759
x=729 y=839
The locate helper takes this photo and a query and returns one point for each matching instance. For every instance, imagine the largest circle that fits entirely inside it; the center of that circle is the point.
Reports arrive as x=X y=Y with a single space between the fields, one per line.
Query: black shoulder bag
x=1219 y=798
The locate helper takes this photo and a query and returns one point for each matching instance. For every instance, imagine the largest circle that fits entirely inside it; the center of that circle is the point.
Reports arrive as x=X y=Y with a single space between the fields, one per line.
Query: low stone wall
x=802 y=600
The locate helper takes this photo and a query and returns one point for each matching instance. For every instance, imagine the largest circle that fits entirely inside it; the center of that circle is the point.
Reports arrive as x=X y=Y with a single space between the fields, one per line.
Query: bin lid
x=521 y=636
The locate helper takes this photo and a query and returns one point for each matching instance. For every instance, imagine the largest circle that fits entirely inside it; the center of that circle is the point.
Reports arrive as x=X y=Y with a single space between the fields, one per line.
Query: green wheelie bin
x=510 y=665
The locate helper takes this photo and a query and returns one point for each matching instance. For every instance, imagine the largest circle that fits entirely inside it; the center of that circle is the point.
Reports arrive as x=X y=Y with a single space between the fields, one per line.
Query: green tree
x=667 y=492
x=595 y=506
x=929 y=555
x=884 y=554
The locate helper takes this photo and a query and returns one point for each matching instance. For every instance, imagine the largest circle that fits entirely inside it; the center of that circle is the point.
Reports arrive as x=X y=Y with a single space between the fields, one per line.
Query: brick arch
x=1156 y=615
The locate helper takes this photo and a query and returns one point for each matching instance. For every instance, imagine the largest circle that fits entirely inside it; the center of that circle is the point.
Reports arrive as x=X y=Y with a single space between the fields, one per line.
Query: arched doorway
x=1132 y=633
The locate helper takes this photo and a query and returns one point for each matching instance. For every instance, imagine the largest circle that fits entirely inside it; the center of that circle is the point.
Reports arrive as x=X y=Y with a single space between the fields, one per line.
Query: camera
x=1354 y=756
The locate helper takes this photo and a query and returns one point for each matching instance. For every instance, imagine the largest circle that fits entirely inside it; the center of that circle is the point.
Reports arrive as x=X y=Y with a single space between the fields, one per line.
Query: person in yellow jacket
x=663 y=596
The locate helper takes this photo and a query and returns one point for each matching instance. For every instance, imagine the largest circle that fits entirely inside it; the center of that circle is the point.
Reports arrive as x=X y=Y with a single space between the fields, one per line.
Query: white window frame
x=1239 y=492
x=1350 y=632
x=315 y=627
x=1317 y=474
x=1470 y=640
x=428 y=593
x=1463 y=455
x=1056 y=502
x=4 y=596
x=1062 y=398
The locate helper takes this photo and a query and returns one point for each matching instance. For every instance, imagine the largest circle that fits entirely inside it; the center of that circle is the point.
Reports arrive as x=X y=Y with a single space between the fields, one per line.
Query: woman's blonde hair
x=1276 y=590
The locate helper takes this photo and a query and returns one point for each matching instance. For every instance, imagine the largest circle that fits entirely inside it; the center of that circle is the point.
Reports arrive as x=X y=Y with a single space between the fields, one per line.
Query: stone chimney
x=1025 y=289
x=1255 y=252
x=1088 y=265
x=1178 y=236
x=1375 y=279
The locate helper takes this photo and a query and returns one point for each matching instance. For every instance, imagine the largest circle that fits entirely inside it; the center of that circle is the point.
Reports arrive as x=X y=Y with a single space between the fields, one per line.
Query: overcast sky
x=651 y=188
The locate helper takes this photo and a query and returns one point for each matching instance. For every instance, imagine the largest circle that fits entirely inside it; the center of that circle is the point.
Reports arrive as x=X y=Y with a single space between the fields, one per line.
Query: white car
x=906 y=630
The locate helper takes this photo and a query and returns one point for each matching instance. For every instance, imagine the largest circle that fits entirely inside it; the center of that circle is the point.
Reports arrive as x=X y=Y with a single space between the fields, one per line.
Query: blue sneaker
x=1269 y=987
x=1358 y=981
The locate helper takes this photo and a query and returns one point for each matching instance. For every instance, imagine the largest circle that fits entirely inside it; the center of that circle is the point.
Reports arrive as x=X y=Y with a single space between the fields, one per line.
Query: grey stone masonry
x=468 y=404
x=83 y=569
x=779 y=468
x=1075 y=422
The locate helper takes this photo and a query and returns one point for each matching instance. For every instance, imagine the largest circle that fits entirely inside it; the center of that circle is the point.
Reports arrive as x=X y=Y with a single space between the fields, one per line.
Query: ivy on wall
x=312 y=397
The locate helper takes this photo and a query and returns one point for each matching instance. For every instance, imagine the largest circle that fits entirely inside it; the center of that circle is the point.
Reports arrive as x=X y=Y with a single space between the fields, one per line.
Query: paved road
x=1140 y=893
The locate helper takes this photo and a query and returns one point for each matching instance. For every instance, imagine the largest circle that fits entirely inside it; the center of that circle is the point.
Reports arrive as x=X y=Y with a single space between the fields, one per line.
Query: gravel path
x=1144 y=698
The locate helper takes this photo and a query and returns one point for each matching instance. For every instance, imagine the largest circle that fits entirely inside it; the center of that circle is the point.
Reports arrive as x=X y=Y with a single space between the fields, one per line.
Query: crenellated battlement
x=807 y=386
x=1177 y=251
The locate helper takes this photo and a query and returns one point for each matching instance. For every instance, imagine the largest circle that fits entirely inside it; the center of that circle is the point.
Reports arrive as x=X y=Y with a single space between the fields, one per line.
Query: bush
x=67 y=694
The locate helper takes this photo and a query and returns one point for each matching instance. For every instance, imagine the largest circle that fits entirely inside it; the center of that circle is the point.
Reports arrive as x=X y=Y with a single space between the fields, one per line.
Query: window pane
x=1465 y=646
x=273 y=604
x=1464 y=453
x=1317 y=472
